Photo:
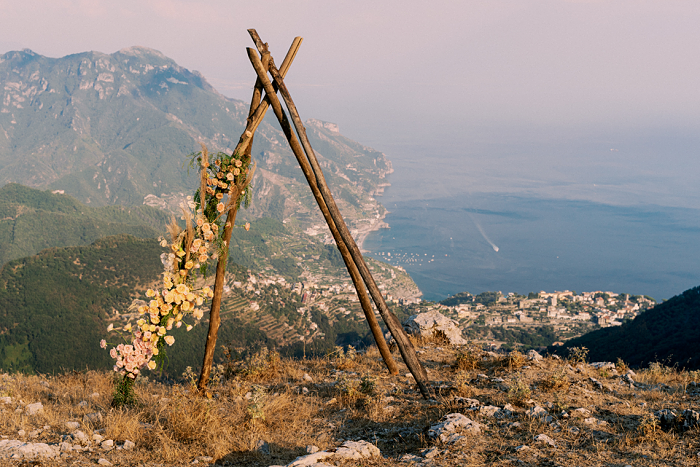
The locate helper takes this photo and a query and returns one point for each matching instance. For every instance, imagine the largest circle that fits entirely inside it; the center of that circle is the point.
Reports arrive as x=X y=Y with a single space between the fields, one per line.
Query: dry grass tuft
x=289 y=404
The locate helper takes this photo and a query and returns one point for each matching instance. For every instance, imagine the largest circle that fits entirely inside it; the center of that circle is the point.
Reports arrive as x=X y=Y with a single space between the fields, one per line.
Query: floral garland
x=223 y=183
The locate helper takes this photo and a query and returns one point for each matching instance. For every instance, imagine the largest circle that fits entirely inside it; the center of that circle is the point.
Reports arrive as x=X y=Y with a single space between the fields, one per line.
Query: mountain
x=666 y=333
x=32 y=220
x=115 y=129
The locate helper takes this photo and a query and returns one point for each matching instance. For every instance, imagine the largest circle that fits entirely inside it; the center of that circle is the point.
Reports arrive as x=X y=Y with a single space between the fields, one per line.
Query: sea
x=520 y=242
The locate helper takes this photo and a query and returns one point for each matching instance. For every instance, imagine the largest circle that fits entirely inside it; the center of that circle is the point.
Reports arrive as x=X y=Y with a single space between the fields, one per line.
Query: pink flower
x=103 y=344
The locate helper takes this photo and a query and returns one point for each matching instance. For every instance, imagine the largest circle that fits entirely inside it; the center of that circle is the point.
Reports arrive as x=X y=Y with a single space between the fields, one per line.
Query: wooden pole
x=255 y=116
x=405 y=347
x=344 y=252
x=404 y=344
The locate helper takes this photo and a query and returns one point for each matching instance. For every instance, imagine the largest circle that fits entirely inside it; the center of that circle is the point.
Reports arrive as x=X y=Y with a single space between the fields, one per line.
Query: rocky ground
x=488 y=409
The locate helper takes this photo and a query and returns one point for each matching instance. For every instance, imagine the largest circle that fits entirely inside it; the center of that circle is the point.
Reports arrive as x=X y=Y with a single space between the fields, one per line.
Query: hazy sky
x=414 y=73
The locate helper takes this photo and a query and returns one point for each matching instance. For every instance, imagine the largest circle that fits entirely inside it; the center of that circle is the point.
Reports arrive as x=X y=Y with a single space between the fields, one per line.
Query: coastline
x=360 y=234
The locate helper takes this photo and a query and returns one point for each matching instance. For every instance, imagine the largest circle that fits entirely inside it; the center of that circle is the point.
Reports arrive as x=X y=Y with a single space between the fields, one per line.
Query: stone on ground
x=432 y=322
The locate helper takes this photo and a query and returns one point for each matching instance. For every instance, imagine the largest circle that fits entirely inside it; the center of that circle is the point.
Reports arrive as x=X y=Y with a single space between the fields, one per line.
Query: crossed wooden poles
x=306 y=158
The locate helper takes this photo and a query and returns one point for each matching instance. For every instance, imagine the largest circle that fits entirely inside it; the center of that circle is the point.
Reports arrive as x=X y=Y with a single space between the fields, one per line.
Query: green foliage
x=540 y=336
x=54 y=306
x=124 y=395
x=32 y=220
x=488 y=297
x=458 y=299
x=667 y=332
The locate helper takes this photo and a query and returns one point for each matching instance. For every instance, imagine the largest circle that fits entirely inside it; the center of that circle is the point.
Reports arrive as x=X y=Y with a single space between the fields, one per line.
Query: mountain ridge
x=115 y=129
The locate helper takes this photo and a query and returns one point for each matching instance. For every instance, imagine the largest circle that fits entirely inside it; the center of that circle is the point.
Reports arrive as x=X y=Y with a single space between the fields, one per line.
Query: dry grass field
x=265 y=411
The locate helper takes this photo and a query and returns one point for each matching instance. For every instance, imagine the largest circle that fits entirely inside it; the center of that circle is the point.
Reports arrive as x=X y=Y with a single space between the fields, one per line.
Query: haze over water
x=506 y=237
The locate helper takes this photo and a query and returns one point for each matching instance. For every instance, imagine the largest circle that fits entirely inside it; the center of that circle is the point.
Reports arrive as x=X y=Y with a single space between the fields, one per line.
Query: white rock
x=471 y=403
x=523 y=448
x=536 y=412
x=581 y=412
x=453 y=423
x=489 y=410
x=129 y=445
x=103 y=461
x=80 y=437
x=6 y=400
x=21 y=433
x=594 y=421
x=603 y=365
x=431 y=452
x=72 y=425
x=65 y=447
x=310 y=459
x=308 y=378
x=348 y=450
x=431 y=322
x=15 y=449
x=97 y=438
x=107 y=444
x=534 y=356
x=542 y=438
x=310 y=449
x=363 y=449
x=35 y=408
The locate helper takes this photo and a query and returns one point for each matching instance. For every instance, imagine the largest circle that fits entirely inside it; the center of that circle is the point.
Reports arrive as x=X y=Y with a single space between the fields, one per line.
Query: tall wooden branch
x=405 y=346
x=256 y=113
x=344 y=252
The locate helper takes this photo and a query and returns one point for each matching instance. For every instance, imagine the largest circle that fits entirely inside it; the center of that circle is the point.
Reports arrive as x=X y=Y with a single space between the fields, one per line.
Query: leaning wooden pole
x=255 y=116
x=407 y=350
x=347 y=258
x=350 y=265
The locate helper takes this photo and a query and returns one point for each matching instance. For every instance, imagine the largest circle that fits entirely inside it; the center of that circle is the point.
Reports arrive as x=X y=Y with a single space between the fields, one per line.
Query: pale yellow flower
x=189 y=327
x=110 y=327
x=152 y=365
x=152 y=327
x=150 y=293
x=220 y=207
x=170 y=340
x=189 y=264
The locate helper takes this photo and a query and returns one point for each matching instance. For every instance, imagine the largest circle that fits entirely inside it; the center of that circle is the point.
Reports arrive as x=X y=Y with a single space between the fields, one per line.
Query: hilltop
x=499 y=409
x=32 y=220
x=115 y=129
x=666 y=333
